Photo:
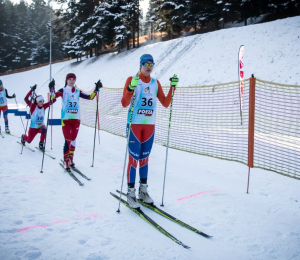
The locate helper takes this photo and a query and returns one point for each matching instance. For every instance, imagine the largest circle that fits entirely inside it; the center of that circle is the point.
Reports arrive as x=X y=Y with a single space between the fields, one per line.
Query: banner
x=241 y=79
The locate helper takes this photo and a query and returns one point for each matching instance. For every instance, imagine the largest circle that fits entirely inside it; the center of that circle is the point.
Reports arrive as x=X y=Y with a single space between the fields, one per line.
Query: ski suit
x=70 y=115
x=37 y=125
x=143 y=123
x=3 y=104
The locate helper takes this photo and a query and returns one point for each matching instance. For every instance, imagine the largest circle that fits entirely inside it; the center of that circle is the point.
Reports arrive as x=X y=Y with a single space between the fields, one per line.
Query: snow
x=48 y=216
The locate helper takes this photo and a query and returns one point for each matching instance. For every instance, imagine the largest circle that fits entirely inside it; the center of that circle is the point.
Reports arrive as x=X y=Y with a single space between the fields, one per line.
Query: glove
x=51 y=85
x=14 y=95
x=33 y=88
x=174 y=80
x=53 y=96
x=134 y=82
x=98 y=85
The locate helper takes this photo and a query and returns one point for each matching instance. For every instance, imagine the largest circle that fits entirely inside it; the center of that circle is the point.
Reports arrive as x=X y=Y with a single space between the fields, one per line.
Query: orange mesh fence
x=206 y=120
x=277 y=128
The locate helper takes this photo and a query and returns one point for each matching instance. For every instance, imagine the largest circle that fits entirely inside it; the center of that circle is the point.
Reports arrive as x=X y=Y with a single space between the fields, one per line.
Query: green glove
x=134 y=83
x=14 y=95
x=174 y=80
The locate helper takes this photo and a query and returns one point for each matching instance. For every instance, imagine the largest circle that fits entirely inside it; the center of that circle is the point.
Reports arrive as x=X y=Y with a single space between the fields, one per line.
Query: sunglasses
x=42 y=101
x=148 y=64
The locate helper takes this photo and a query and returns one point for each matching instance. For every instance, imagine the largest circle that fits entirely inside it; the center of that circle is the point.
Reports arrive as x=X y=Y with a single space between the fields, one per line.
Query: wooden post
x=251 y=126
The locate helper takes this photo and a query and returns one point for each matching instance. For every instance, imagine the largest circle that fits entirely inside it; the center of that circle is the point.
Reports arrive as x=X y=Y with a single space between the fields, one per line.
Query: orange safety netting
x=207 y=120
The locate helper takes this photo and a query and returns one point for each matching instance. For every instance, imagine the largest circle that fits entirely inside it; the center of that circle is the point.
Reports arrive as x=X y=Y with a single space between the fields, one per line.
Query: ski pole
x=19 y=113
x=50 y=103
x=128 y=134
x=51 y=123
x=162 y=202
x=98 y=126
x=32 y=97
x=96 y=121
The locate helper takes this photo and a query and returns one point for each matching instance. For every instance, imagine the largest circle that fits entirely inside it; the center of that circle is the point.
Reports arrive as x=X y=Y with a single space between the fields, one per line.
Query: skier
x=142 y=128
x=37 y=112
x=70 y=114
x=3 y=105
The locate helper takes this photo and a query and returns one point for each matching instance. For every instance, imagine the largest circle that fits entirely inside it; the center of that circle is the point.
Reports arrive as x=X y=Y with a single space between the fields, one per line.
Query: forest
x=92 y=27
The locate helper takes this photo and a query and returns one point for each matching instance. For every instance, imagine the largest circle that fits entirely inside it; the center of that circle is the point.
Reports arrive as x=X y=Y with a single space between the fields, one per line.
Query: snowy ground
x=48 y=216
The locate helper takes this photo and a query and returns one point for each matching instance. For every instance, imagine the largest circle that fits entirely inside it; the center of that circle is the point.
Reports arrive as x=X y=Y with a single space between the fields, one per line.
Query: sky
x=49 y=216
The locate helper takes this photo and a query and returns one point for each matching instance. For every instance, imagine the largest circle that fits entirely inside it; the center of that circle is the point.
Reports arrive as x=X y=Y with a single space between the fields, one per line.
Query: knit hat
x=146 y=58
x=1 y=83
x=70 y=76
x=39 y=98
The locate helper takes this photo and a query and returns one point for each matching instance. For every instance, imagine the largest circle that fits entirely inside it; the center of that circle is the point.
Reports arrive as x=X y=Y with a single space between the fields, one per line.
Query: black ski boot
x=42 y=146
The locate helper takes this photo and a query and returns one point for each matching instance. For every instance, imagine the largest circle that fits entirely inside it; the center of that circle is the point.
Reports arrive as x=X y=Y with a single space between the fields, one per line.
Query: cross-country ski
x=168 y=216
x=45 y=153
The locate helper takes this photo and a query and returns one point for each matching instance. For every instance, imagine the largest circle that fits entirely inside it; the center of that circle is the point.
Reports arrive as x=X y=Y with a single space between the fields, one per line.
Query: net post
x=251 y=126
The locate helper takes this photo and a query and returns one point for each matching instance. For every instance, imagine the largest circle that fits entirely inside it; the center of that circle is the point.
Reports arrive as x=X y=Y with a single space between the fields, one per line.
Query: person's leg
x=147 y=139
x=72 y=150
x=146 y=146
x=66 y=129
x=32 y=132
x=134 y=154
x=0 y=116
x=74 y=133
x=43 y=131
x=5 y=112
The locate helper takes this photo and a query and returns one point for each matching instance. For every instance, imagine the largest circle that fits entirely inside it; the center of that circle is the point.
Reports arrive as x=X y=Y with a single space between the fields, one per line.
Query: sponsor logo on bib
x=72 y=111
x=146 y=112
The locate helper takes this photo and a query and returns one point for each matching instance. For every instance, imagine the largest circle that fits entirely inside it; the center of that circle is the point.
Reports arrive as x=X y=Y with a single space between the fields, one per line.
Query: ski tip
x=205 y=235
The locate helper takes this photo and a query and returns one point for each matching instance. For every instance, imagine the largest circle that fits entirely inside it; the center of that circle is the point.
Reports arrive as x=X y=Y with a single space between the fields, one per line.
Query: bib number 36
x=146 y=102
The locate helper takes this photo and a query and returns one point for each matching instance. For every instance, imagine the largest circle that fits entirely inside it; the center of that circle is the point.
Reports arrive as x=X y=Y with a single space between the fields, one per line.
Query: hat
x=70 y=76
x=1 y=83
x=39 y=98
x=146 y=58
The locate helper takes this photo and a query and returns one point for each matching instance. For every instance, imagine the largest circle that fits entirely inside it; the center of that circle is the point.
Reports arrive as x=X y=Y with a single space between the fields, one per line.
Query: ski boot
x=7 y=129
x=131 y=198
x=22 y=140
x=71 y=156
x=42 y=146
x=144 y=195
x=67 y=163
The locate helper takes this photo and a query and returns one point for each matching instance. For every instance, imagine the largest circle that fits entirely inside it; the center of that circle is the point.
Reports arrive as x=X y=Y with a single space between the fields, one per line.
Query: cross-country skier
x=3 y=105
x=37 y=112
x=70 y=114
x=141 y=135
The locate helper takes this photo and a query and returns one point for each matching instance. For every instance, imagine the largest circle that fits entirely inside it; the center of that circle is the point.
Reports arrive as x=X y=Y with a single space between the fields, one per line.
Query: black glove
x=52 y=85
x=98 y=85
x=33 y=88
x=14 y=95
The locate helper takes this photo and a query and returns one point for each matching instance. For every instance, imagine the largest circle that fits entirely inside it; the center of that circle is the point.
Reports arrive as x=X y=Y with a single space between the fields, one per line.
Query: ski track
x=178 y=54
